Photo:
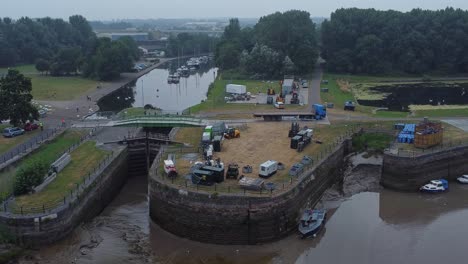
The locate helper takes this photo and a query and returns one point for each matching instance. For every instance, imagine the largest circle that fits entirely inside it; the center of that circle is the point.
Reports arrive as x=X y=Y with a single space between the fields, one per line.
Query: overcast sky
x=118 y=9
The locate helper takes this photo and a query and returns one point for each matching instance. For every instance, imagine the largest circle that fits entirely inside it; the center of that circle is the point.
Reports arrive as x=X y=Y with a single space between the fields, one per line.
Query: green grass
x=442 y=113
x=84 y=159
x=8 y=143
x=338 y=96
x=216 y=94
x=60 y=88
x=47 y=152
x=46 y=87
x=391 y=114
x=374 y=141
x=25 y=69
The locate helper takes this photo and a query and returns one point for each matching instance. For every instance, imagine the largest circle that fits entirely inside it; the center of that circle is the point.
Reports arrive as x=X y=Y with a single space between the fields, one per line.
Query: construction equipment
x=295 y=98
x=294 y=129
x=232 y=133
x=232 y=171
x=217 y=143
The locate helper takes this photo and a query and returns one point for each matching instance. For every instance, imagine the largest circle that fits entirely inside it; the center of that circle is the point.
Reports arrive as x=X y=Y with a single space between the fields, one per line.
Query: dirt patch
x=344 y=85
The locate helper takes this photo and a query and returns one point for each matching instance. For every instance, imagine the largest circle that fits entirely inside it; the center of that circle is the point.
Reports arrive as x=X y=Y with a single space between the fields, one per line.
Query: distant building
x=140 y=36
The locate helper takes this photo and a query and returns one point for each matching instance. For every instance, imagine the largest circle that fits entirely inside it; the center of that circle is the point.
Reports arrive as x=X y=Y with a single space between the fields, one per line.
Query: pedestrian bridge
x=159 y=121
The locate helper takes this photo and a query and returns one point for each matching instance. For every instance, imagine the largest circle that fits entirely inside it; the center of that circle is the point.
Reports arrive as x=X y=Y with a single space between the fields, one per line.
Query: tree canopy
x=278 y=43
x=420 y=41
x=15 y=98
x=65 y=47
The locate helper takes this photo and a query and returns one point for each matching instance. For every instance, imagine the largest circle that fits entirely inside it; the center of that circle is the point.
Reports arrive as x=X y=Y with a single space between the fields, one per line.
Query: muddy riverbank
x=376 y=226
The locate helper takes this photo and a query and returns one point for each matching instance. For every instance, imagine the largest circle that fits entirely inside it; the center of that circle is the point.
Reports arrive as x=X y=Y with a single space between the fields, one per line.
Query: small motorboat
x=311 y=222
x=435 y=186
x=463 y=179
x=170 y=168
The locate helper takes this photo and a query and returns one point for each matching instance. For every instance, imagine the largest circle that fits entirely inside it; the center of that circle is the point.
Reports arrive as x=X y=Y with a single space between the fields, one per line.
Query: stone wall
x=408 y=174
x=231 y=219
x=32 y=231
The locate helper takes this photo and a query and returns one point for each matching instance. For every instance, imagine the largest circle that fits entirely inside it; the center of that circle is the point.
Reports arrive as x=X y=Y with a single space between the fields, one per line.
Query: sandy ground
x=258 y=143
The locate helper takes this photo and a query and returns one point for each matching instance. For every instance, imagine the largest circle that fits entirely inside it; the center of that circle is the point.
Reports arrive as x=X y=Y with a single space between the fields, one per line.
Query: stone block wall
x=409 y=174
x=232 y=219
x=32 y=231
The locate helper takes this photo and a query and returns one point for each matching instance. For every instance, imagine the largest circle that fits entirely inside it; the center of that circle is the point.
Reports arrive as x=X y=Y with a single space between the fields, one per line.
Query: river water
x=380 y=227
x=152 y=88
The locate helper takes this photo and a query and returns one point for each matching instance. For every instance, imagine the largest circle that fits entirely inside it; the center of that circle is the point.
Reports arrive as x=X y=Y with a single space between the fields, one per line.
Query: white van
x=268 y=168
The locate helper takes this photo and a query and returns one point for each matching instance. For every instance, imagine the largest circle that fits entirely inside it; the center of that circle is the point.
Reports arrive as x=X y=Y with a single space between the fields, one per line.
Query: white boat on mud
x=435 y=186
x=312 y=221
x=463 y=179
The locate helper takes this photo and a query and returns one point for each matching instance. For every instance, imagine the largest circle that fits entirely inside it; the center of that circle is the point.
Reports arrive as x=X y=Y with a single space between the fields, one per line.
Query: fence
x=280 y=187
x=80 y=189
x=27 y=146
x=395 y=150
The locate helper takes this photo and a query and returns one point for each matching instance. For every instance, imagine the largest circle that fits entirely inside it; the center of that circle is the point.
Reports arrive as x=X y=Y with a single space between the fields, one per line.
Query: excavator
x=232 y=133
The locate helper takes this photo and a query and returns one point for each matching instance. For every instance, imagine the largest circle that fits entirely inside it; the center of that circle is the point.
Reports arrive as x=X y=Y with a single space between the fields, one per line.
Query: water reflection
x=154 y=89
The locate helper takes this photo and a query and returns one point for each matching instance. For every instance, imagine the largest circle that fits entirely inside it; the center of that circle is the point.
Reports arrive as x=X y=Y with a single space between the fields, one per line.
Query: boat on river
x=463 y=179
x=173 y=78
x=435 y=186
x=312 y=221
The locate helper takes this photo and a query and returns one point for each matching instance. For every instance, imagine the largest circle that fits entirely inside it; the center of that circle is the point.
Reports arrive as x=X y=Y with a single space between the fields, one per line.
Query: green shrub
x=29 y=175
x=372 y=141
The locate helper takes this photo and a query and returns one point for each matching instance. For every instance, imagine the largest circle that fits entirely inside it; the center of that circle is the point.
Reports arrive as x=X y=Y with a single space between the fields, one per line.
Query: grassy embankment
x=216 y=93
x=85 y=158
x=351 y=87
x=47 y=152
x=8 y=143
x=46 y=87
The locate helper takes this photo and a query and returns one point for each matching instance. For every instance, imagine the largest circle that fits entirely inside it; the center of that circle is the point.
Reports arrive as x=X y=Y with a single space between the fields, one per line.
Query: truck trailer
x=268 y=168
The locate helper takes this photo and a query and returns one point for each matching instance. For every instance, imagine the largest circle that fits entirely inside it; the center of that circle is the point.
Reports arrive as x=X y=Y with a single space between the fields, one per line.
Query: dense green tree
x=42 y=65
x=15 y=98
x=66 y=61
x=420 y=41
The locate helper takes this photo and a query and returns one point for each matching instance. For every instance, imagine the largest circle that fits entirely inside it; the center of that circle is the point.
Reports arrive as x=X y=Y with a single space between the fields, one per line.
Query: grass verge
x=8 y=143
x=47 y=152
x=84 y=160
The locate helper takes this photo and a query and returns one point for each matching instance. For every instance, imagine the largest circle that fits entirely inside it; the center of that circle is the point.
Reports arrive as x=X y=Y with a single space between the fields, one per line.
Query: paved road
x=314 y=87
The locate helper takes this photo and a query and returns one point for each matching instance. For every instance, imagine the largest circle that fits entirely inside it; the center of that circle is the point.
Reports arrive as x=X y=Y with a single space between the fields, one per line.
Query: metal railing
x=395 y=150
x=327 y=149
x=80 y=188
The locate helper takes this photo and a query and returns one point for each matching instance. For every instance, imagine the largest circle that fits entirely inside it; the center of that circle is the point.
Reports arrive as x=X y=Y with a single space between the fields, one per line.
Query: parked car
x=31 y=126
x=12 y=132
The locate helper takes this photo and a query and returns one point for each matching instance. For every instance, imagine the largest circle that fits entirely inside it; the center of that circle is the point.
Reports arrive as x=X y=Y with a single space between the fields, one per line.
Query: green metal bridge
x=159 y=121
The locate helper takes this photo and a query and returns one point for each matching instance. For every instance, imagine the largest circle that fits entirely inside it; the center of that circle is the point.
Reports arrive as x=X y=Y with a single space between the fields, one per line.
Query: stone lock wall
x=409 y=174
x=36 y=230
x=232 y=219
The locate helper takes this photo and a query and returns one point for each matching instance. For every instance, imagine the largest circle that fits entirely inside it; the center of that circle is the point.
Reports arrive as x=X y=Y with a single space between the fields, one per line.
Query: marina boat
x=311 y=222
x=435 y=186
x=173 y=78
x=463 y=179
x=170 y=168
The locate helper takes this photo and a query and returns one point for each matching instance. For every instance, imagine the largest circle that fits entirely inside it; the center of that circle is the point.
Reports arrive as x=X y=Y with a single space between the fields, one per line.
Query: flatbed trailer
x=278 y=116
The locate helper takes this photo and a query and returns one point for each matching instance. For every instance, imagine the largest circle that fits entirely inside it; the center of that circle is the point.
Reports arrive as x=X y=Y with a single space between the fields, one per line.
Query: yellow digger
x=232 y=133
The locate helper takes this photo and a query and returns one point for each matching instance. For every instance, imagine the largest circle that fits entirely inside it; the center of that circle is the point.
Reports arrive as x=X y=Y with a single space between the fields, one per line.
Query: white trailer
x=268 y=168
x=236 y=89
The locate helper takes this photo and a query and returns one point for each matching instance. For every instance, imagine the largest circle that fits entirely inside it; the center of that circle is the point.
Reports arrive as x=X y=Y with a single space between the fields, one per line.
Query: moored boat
x=435 y=186
x=463 y=179
x=312 y=221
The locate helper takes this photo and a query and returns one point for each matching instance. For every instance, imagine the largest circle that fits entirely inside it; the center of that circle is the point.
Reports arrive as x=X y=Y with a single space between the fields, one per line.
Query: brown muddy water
x=370 y=227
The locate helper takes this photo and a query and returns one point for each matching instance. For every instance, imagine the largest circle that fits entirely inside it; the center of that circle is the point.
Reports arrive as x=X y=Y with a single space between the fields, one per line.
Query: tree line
x=190 y=44
x=280 y=43
x=372 y=42
x=62 y=48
